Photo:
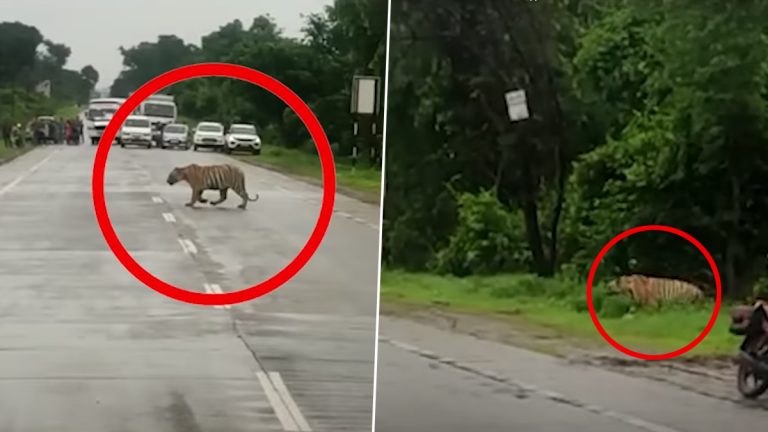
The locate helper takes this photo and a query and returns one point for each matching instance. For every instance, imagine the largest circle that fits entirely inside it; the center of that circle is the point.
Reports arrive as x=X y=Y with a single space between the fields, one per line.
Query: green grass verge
x=363 y=180
x=7 y=153
x=544 y=302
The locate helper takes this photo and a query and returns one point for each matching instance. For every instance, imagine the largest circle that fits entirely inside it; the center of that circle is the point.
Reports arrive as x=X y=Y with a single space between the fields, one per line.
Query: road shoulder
x=713 y=378
x=8 y=155
x=365 y=197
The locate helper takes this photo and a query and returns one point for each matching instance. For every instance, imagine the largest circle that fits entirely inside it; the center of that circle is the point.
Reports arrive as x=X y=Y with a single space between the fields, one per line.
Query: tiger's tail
x=241 y=186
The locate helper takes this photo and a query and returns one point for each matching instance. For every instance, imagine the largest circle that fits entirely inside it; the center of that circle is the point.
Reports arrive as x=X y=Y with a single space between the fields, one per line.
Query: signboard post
x=364 y=107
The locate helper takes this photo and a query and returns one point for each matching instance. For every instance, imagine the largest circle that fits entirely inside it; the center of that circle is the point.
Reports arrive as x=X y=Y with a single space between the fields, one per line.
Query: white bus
x=98 y=115
x=161 y=111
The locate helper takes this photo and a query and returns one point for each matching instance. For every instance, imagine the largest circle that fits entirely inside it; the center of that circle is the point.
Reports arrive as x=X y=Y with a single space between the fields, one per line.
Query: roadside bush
x=488 y=239
x=518 y=286
x=760 y=289
x=615 y=306
x=579 y=304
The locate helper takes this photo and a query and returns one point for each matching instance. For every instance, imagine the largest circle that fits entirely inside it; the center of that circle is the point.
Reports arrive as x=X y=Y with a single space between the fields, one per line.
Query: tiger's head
x=620 y=284
x=176 y=175
x=613 y=286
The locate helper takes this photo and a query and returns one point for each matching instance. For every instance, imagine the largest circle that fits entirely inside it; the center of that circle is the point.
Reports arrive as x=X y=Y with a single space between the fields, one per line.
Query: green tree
x=347 y=38
x=149 y=59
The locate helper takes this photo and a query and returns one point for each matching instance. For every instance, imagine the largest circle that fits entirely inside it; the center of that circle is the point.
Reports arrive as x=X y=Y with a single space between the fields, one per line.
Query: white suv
x=243 y=136
x=208 y=134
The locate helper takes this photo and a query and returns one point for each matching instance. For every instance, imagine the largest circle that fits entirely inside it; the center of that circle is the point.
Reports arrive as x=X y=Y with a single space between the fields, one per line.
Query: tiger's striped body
x=648 y=291
x=212 y=177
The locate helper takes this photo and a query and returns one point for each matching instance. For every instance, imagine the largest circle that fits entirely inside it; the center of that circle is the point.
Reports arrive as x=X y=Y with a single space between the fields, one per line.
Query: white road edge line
x=169 y=217
x=282 y=390
x=277 y=404
x=19 y=179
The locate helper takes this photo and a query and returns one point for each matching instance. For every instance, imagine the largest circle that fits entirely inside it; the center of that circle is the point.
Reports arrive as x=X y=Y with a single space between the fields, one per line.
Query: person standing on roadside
x=76 y=131
x=68 y=130
x=16 y=135
x=6 y=132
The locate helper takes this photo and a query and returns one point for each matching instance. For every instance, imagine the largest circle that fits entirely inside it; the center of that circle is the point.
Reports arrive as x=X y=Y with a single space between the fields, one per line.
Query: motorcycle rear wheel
x=751 y=389
x=754 y=390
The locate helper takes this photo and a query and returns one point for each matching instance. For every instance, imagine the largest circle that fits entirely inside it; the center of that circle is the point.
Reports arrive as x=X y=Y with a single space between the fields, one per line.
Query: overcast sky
x=94 y=29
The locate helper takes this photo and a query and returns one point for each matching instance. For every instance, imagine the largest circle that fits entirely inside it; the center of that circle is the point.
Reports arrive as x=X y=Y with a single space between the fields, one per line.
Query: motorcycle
x=752 y=374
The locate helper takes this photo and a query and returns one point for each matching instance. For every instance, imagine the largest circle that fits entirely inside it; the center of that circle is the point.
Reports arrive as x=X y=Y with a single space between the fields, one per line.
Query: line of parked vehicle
x=138 y=131
x=155 y=123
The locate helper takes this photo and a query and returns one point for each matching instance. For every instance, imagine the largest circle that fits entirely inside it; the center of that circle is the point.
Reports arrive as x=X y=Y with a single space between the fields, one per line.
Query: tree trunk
x=531 y=214
x=734 y=285
x=746 y=278
x=730 y=269
x=560 y=200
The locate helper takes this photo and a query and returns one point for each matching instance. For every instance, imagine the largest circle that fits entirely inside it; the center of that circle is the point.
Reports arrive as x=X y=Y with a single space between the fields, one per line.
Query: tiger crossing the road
x=650 y=291
x=212 y=177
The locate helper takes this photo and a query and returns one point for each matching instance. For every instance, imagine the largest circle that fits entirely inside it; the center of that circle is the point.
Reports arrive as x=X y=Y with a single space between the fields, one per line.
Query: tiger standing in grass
x=649 y=291
x=212 y=177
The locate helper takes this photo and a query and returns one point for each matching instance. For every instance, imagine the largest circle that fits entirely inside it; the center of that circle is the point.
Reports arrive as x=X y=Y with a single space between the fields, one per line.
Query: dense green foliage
x=26 y=60
x=647 y=112
x=348 y=39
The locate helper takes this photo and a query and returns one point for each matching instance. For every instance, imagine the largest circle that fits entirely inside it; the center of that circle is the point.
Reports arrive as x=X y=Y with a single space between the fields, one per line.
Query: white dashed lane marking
x=169 y=217
x=188 y=246
x=157 y=200
x=214 y=289
x=356 y=219
x=344 y=214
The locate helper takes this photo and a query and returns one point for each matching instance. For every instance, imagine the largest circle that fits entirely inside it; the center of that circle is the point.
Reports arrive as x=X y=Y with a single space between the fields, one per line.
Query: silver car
x=175 y=135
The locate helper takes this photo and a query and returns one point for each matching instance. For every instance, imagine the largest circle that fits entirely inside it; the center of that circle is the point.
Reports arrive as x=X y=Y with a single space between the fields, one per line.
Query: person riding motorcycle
x=752 y=323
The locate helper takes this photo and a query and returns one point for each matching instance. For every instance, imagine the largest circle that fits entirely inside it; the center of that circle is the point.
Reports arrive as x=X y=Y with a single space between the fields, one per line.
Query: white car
x=208 y=134
x=243 y=136
x=137 y=130
x=175 y=134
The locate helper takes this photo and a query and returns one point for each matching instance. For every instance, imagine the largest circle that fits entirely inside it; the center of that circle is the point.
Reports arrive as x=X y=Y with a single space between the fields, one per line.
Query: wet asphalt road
x=432 y=379
x=86 y=347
